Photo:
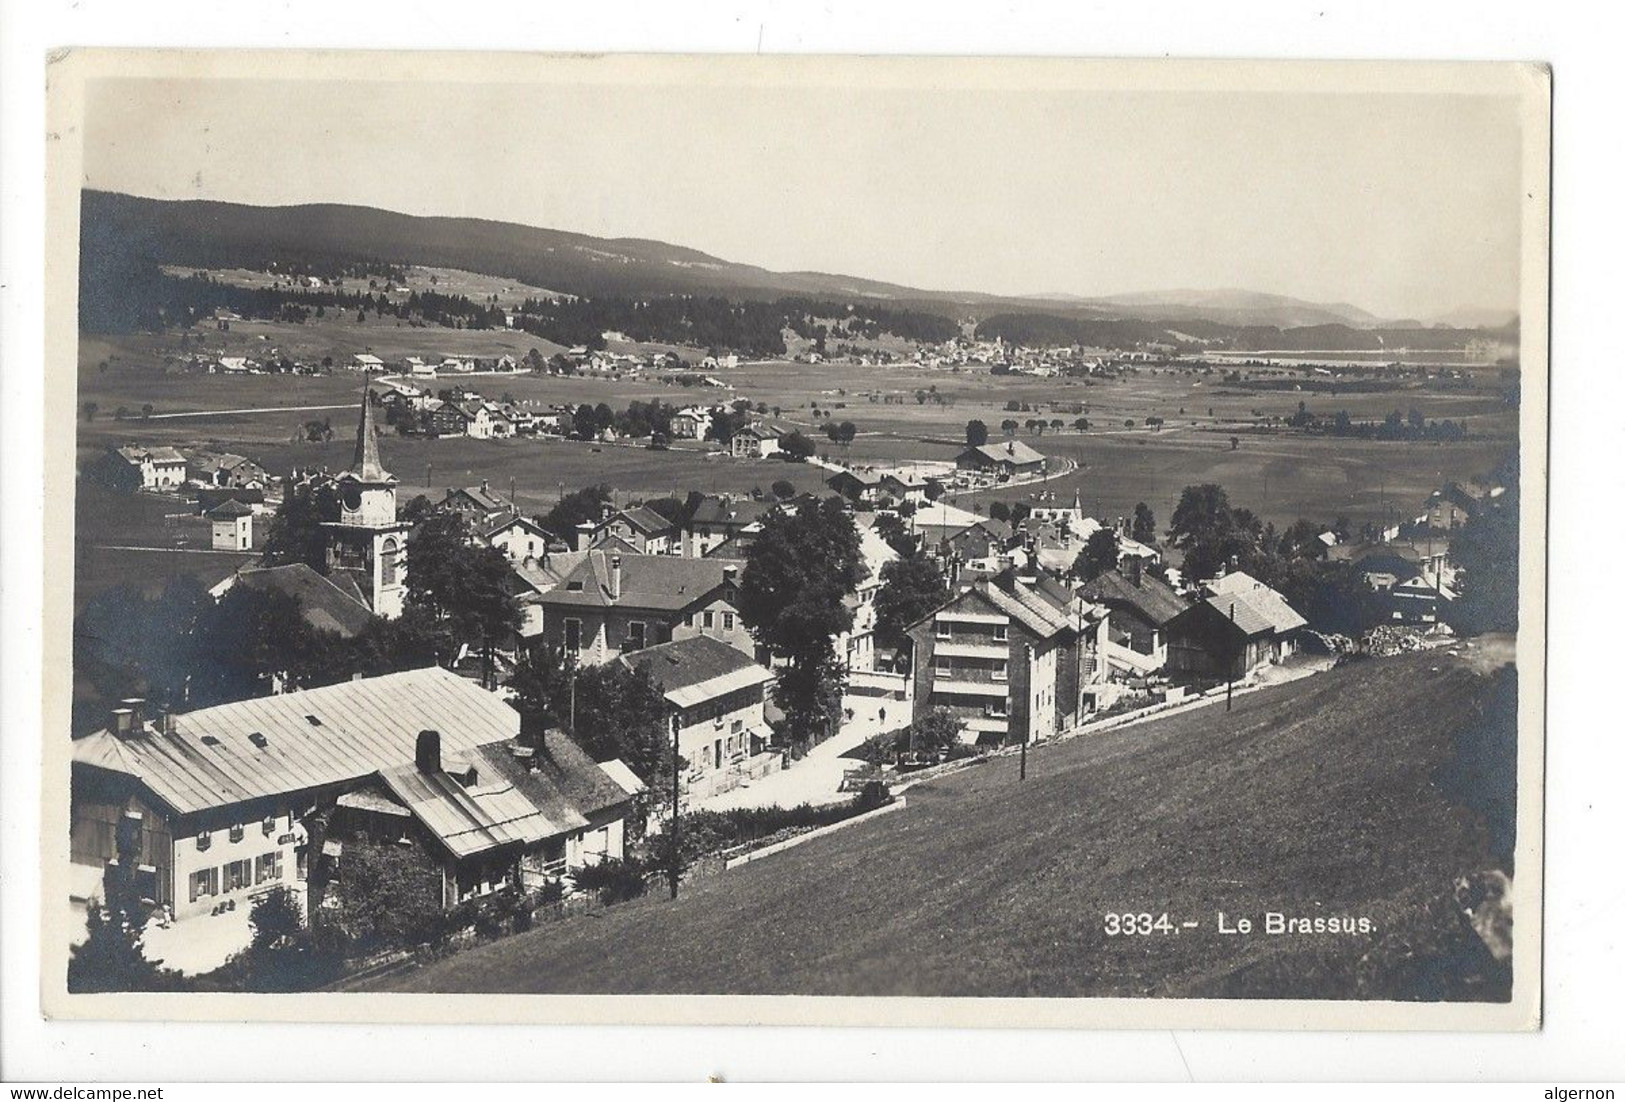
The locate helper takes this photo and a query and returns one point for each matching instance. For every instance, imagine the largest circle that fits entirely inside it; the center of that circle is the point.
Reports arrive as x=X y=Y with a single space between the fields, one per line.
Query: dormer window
x=237 y=832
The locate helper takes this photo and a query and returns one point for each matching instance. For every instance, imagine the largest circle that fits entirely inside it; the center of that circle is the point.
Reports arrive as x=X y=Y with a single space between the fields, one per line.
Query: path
x=232 y=412
x=816 y=778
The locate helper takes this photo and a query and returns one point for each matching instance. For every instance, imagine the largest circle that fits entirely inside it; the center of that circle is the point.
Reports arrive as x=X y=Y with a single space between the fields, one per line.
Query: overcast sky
x=1403 y=204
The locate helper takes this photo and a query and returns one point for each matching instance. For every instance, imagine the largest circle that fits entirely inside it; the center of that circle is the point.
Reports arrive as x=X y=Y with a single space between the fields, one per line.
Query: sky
x=1404 y=204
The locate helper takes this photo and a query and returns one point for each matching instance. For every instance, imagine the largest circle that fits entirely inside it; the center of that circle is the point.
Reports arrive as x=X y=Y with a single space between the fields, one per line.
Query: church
x=367 y=544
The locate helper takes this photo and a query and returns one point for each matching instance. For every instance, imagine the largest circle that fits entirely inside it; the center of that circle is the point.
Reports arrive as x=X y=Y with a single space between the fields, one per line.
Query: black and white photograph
x=990 y=541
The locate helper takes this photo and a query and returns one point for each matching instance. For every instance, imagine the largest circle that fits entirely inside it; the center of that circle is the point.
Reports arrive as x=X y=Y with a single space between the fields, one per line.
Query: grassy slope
x=1312 y=798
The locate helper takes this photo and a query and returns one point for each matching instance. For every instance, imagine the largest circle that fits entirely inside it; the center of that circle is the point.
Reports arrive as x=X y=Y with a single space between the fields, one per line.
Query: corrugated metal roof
x=491 y=812
x=1258 y=607
x=361 y=727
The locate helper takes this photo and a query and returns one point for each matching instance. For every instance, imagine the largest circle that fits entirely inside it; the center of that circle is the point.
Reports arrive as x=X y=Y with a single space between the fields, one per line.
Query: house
x=233 y=365
x=332 y=604
x=1452 y=505
x=366 y=362
x=755 y=442
x=718 y=706
x=414 y=367
x=1010 y=660
x=225 y=469
x=1243 y=624
x=855 y=647
x=477 y=503
x=691 y=424
x=487 y=421
x=861 y=487
x=643 y=530
x=219 y=806
x=208 y=497
x=1141 y=607
x=231 y=526
x=160 y=469
x=716 y=519
x=1010 y=459
x=517 y=536
x=444 y=418
x=613 y=604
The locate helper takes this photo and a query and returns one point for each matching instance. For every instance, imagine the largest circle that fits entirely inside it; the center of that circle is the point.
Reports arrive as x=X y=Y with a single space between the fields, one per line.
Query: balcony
x=999 y=689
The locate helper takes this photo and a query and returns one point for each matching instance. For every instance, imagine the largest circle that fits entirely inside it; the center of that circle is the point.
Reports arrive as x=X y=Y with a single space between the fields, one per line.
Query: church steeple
x=367 y=467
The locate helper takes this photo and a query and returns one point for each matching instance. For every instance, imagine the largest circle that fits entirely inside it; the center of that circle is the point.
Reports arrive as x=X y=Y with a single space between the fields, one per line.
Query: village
x=451 y=719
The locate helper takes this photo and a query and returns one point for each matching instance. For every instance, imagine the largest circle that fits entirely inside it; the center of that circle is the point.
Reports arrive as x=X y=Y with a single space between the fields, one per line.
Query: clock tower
x=367 y=542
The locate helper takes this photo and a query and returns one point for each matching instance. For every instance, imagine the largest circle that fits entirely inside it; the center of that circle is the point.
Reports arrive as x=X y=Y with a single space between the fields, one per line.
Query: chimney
x=122 y=722
x=584 y=532
x=730 y=576
x=1010 y=447
x=137 y=707
x=166 y=722
x=614 y=577
x=428 y=752
x=1134 y=569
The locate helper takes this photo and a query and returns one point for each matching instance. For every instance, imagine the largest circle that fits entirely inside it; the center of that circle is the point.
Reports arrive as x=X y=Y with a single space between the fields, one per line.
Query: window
x=237 y=832
x=738 y=726
x=572 y=635
x=204 y=882
x=204 y=840
x=388 y=572
x=636 y=635
x=944 y=630
x=269 y=826
x=1001 y=633
x=727 y=621
x=237 y=873
x=710 y=619
x=944 y=664
x=1001 y=671
x=268 y=867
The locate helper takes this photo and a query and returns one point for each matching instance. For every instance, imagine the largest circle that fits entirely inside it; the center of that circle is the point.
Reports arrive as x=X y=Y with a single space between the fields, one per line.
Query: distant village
x=483 y=775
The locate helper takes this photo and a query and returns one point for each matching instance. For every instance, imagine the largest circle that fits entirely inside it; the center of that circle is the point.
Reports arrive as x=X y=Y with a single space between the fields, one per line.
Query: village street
x=816 y=778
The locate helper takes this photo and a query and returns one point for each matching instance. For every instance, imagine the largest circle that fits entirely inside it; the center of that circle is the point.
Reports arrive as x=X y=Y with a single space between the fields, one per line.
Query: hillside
x=1330 y=796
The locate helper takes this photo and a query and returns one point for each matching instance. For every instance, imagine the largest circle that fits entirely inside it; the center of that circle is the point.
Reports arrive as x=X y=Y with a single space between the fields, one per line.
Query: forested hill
x=207 y=234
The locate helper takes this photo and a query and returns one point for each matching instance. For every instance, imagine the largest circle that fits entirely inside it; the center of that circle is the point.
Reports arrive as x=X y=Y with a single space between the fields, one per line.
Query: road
x=233 y=412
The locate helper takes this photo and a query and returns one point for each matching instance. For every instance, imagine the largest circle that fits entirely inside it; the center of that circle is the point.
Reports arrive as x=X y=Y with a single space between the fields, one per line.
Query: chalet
x=232 y=365
x=160 y=469
x=1142 y=605
x=1013 y=662
x=1453 y=504
x=613 y=604
x=1243 y=624
x=415 y=368
x=225 y=469
x=691 y=424
x=231 y=526
x=1010 y=459
x=718 y=705
x=517 y=536
x=488 y=421
x=218 y=806
x=716 y=519
x=861 y=487
x=642 y=530
x=444 y=418
x=755 y=442
x=478 y=504
x=367 y=362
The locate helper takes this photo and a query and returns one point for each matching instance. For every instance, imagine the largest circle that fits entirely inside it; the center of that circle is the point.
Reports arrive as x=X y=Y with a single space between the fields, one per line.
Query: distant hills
x=210 y=234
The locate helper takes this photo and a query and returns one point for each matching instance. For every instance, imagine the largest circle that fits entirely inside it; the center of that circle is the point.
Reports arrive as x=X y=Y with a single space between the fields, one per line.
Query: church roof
x=367 y=466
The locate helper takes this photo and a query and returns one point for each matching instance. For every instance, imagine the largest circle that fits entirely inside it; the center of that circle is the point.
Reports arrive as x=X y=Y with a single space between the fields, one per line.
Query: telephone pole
x=1230 y=680
x=675 y=871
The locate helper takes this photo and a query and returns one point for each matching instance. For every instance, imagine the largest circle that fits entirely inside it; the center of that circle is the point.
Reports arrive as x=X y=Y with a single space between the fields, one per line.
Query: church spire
x=367 y=467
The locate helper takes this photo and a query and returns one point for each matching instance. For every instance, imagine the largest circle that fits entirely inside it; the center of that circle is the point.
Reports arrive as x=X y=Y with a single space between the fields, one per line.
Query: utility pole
x=428 y=475
x=676 y=830
x=1025 y=734
x=572 y=701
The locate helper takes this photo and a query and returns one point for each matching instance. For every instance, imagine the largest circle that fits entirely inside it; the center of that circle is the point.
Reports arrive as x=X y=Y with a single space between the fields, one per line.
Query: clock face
x=350 y=497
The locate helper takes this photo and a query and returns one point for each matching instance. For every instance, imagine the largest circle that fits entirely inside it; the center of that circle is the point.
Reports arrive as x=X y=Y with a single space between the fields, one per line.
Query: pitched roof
x=323 y=604
x=360 y=728
x=719 y=511
x=471 y=819
x=367 y=466
x=658 y=582
x=1022 y=604
x=481 y=496
x=1258 y=608
x=1153 y=598
x=644 y=519
x=164 y=454
x=230 y=509
x=1008 y=451
x=698 y=668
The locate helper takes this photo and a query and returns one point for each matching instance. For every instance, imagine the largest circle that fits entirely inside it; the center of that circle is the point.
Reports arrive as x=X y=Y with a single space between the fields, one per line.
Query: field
x=1326 y=797
x=1280 y=475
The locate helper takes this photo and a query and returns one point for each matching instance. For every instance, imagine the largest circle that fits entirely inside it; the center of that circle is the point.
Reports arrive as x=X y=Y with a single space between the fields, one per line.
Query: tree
x=256 y=641
x=783 y=489
x=1099 y=555
x=975 y=433
x=1145 y=524
x=296 y=534
x=461 y=585
x=846 y=432
x=582 y=506
x=910 y=587
x=111 y=957
x=935 y=733
x=890 y=527
x=389 y=895
x=1008 y=426
x=796 y=447
x=798 y=574
x=1485 y=550
x=618 y=712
